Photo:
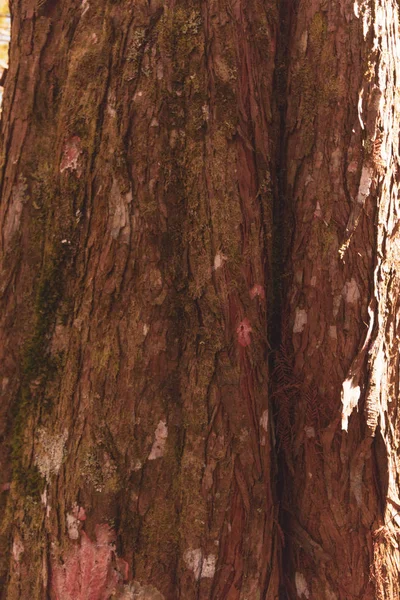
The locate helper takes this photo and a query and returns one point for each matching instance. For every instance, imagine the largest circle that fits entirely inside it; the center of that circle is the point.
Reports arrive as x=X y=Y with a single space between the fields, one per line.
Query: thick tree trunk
x=192 y=192
x=136 y=226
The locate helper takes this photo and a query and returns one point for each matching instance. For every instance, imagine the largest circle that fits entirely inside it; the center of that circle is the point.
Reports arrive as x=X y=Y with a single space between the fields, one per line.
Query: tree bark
x=136 y=222
x=198 y=309
x=339 y=418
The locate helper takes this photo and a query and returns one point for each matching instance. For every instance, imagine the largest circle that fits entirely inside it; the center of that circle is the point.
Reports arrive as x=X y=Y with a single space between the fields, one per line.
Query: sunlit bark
x=136 y=225
x=199 y=300
x=340 y=423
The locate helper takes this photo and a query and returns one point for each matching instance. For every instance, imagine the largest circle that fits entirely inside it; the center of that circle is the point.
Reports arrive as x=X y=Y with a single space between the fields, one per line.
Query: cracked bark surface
x=135 y=371
x=198 y=279
x=341 y=497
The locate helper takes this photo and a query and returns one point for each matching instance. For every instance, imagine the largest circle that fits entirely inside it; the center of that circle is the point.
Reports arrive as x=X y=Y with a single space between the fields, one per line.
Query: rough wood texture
x=192 y=193
x=341 y=500
x=135 y=213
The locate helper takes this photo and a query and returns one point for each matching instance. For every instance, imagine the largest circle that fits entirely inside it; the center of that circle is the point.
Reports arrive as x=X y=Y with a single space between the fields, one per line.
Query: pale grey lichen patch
x=100 y=471
x=49 y=452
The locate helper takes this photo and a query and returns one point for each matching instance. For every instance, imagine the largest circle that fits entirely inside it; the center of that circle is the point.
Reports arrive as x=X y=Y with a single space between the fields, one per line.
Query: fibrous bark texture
x=198 y=310
x=338 y=366
x=136 y=226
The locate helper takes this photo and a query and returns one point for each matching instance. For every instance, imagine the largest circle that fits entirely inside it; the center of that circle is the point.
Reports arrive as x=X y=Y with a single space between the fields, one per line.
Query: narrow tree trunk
x=136 y=225
x=338 y=419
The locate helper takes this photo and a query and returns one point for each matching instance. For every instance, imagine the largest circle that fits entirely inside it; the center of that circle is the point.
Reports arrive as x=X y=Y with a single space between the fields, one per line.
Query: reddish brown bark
x=339 y=417
x=190 y=193
x=136 y=222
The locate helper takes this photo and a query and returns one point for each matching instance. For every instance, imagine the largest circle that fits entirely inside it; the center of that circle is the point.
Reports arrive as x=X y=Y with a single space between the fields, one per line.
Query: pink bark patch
x=243 y=331
x=5 y=487
x=72 y=151
x=90 y=570
x=257 y=290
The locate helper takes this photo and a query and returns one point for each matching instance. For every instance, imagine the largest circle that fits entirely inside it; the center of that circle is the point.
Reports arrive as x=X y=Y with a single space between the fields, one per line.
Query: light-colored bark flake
x=208 y=567
x=333 y=332
x=300 y=320
x=72 y=527
x=161 y=435
x=85 y=7
x=74 y=520
x=301 y=586
x=193 y=559
x=351 y=293
x=219 y=260
x=264 y=420
x=350 y=397
x=318 y=211
x=14 y=211
x=309 y=431
x=17 y=549
x=201 y=567
x=119 y=208
x=365 y=185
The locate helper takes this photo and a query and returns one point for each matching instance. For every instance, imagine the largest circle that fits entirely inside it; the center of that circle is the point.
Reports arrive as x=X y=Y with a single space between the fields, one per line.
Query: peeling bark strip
x=190 y=192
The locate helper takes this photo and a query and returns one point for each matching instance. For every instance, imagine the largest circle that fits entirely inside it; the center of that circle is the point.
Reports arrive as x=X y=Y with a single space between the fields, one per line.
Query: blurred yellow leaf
x=4 y=33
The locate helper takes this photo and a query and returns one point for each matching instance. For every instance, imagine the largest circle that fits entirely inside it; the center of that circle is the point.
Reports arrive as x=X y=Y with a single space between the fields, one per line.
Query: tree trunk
x=198 y=310
x=339 y=423
x=136 y=220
